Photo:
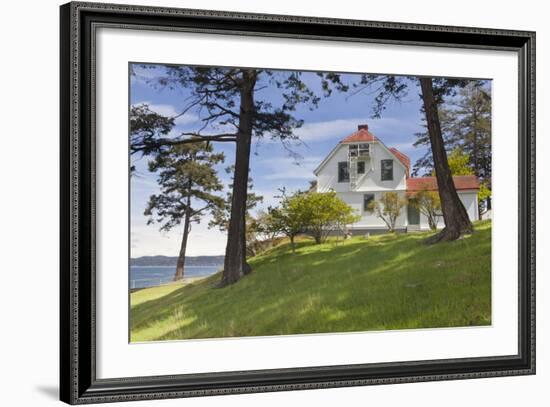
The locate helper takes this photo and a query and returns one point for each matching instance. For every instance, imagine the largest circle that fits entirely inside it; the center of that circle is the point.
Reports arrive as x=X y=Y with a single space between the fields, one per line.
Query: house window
x=386 y=169
x=367 y=199
x=359 y=150
x=343 y=171
x=360 y=167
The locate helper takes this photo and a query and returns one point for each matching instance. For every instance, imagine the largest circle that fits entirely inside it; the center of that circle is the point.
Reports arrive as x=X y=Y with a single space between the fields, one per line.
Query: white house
x=361 y=167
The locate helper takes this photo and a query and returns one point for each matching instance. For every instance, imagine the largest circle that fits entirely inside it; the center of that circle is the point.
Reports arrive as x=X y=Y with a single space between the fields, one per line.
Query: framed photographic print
x=256 y=203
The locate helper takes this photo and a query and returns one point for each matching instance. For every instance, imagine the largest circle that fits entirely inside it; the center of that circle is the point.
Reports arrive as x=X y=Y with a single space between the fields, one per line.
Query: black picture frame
x=78 y=382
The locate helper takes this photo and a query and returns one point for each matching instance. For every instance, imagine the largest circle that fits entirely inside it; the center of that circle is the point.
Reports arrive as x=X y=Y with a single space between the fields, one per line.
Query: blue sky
x=271 y=165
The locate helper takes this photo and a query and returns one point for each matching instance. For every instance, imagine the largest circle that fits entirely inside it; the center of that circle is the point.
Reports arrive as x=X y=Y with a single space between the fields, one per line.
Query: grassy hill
x=391 y=281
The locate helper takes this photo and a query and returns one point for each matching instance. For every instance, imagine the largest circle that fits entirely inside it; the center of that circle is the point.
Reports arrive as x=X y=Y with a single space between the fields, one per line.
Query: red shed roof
x=403 y=158
x=462 y=182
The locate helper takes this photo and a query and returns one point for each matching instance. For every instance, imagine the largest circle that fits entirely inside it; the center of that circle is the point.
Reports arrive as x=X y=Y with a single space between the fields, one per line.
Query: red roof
x=363 y=134
x=403 y=158
x=462 y=182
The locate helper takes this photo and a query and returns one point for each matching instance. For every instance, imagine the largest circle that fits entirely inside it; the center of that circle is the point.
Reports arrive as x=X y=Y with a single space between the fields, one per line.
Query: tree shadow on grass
x=302 y=293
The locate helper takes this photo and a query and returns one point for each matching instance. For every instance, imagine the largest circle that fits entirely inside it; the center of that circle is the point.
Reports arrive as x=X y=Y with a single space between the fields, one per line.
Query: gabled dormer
x=362 y=162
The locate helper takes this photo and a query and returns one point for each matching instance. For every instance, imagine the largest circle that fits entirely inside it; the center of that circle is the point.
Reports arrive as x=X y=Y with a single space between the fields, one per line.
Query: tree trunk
x=392 y=223
x=317 y=235
x=246 y=267
x=292 y=245
x=456 y=218
x=475 y=153
x=181 y=258
x=431 y=221
x=479 y=209
x=235 y=265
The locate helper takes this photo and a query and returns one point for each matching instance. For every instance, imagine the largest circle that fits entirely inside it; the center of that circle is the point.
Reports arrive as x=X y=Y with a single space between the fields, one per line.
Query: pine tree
x=424 y=166
x=146 y=127
x=457 y=221
x=473 y=134
x=188 y=183
x=466 y=125
x=227 y=98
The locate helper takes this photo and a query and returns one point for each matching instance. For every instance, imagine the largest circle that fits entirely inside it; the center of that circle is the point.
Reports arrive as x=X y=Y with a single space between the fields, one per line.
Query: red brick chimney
x=363 y=127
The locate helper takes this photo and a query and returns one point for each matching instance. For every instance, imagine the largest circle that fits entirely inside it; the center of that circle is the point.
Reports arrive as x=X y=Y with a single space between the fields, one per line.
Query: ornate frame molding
x=77 y=247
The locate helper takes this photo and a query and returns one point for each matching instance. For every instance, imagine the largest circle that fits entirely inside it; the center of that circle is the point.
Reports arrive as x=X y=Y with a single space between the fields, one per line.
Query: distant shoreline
x=171 y=261
x=174 y=265
x=141 y=276
x=183 y=282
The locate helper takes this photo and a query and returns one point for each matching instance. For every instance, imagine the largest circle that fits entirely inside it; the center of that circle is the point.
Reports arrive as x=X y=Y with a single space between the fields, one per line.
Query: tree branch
x=197 y=137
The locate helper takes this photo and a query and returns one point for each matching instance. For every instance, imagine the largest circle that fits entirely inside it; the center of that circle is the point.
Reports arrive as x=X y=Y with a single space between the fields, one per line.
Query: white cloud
x=385 y=127
x=326 y=130
x=287 y=168
x=268 y=199
x=392 y=128
x=147 y=240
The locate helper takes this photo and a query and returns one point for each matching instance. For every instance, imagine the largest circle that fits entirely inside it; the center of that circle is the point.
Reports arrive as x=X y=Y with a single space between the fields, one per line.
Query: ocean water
x=150 y=276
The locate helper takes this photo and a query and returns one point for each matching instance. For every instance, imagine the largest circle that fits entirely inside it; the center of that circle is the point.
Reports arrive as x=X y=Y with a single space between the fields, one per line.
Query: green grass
x=390 y=281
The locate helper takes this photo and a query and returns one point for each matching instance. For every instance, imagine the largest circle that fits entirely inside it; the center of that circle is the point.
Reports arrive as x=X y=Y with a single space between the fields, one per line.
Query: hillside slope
x=384 y=282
